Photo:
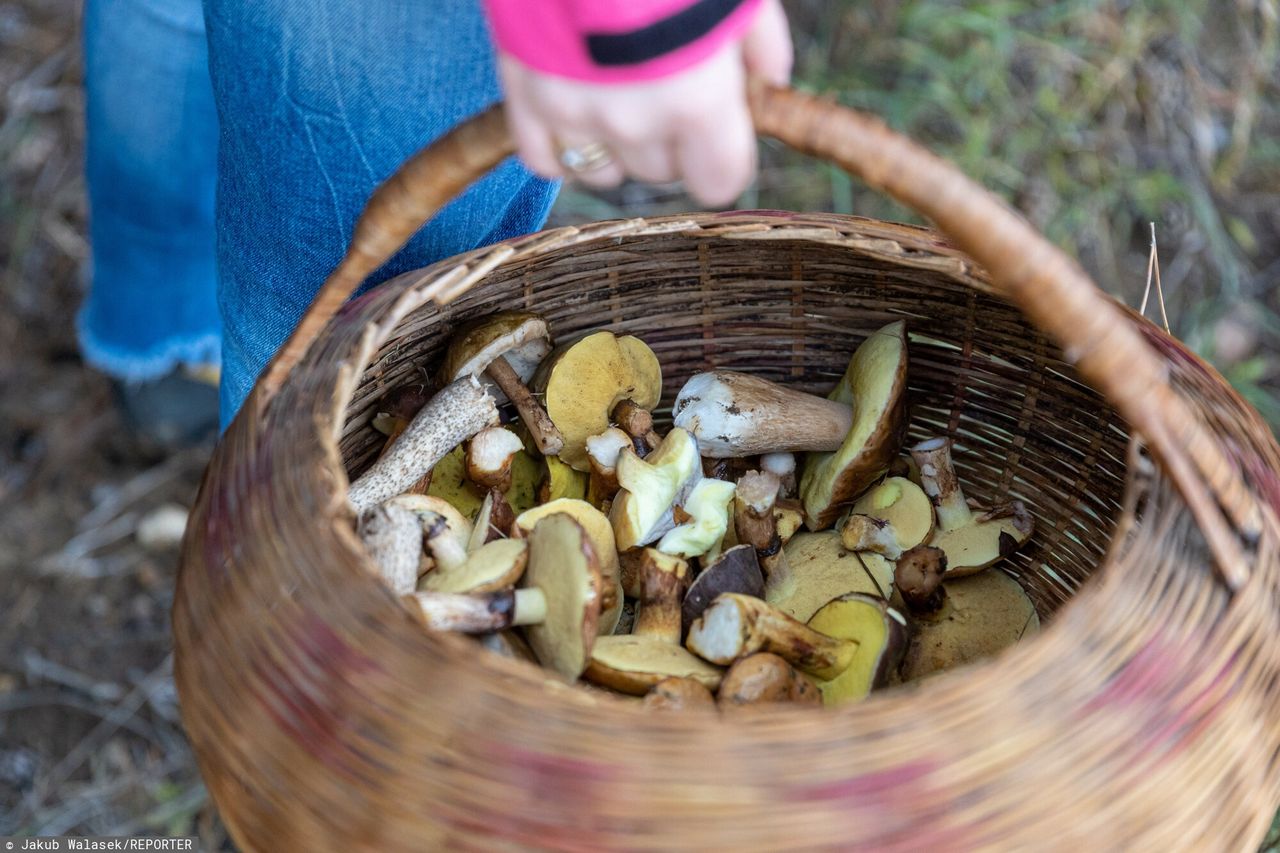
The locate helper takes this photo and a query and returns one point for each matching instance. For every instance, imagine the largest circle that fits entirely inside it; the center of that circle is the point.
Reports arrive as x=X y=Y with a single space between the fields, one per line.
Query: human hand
x=694 y=125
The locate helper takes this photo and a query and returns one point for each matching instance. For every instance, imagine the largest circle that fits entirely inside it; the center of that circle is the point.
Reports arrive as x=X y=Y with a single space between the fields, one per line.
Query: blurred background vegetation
x=1095 y=118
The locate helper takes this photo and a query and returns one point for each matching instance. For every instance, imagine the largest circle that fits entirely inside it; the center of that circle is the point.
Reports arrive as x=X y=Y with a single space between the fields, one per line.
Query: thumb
x=766 y=50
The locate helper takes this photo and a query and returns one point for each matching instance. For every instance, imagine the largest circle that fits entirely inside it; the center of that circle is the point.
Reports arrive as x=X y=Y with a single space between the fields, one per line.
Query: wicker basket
x=1144 y=717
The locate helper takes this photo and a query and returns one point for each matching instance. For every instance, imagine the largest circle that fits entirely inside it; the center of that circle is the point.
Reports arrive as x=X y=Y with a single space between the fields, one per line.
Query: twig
x=1153 y=266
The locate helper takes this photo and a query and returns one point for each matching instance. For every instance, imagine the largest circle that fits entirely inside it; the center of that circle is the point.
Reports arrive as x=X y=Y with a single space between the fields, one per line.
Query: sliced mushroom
x=600 y=531
x=455 y=414
x=893 y=517
x=735 y=626
x=736 y=570
x=644 y=510
x=972 y=541
x=876 y=380
x=490 y=455
x=679 y=694
x=737 y=414
x=765 y=678
x=708 y=509
x=506 y=349
x=634 y=663
x=818 y=569
x=393 y=536
x=881 y=635
x=602 y=452
x=584 y=381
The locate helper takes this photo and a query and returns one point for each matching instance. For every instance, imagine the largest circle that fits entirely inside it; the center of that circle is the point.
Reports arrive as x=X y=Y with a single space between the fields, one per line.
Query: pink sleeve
x=616 y=41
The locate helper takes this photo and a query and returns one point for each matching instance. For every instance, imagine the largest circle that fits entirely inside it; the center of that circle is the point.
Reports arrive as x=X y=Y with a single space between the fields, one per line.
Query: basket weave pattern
x=1146 y=716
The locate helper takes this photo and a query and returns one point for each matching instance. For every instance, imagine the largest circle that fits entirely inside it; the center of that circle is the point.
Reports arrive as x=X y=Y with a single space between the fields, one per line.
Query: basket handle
x=1052 y=290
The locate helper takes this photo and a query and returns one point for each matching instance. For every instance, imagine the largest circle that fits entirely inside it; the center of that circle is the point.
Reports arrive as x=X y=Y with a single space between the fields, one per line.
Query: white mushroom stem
x=783 y=466
x=602 y=452
x=393 y=536
x=489 y=457
x=480 y=613
x=939 y=481
x=447 y=548
x=735 y=626
x=864 y=533
x=535 y=417
x=755 y=521
x=455 y=414
x=736 y=414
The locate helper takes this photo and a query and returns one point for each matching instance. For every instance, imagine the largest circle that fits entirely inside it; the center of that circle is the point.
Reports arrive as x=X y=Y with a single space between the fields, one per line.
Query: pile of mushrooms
x=532 y=502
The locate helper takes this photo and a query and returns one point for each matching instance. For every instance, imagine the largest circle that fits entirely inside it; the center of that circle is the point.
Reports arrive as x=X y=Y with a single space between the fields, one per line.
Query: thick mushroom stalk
x=918 y=577
x=782 y=466
x=506 y=349
x=489 y=457
x=755 y=520
x=765 y=678
x=393 y=536
x=481 y=613
x=455 y=414
x=603 y=451
x=971 y=540
x=735 y=626
x=637 y=422
x=633 y=663
x=737 y=414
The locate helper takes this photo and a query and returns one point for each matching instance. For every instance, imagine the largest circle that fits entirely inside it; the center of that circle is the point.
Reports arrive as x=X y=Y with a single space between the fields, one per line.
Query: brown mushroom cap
x=765 y=678
x=679 y=694
x=520 y=337
x=584 y=381
x=736 y=570
x=876 y=379
x=564 y=565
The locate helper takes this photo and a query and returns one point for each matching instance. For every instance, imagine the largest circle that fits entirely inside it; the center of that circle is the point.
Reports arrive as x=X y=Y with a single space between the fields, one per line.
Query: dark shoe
x=175 y=411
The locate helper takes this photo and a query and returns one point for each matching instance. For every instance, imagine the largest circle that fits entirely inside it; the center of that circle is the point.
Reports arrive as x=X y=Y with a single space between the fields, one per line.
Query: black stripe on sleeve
x=661 y=37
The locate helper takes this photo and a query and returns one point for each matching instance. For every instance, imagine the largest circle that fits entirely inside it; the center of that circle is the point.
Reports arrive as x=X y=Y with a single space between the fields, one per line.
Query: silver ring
x=585 y=158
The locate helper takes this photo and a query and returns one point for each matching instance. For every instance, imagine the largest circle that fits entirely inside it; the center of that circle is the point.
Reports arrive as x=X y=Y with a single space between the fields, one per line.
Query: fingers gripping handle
x=1024 y=267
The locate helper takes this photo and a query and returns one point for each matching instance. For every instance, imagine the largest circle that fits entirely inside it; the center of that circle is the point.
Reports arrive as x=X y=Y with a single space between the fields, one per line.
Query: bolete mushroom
x=633 y=663
x=736 y=570
x=679 y=694
x=644 y=510
x=637 y=423
x=782 y=466
x=583 y=382
x=708 y=509
x=881 y=635
x=735 y=626
x=893 y=517
x=971 y=540
x=600 y=531
x=817 y=569
x=875 y=384
x=755 y=519
x=494 y=521
x=565 y=566
x=765 y=678
x=602 y=453
x=561 y=482
x=506 y=349
x=451 y=417
x=490 y=567
x=737 y=414
x=481 y=612
x=393 y=537
x=489 y=457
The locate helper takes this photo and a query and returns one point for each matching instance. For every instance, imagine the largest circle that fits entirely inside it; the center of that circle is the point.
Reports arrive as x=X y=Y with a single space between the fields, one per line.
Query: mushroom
x=602 y=453
x=755 y=520
x=679 y=694
x=508 y=644
x=565 y=566
x=490 y=455
x=782 y=466
x=600 y=533
x=398 y=406
x=893 y=517
x=637 y=423
x=584 y=382
x=736 y=570
x=449 y=482
x=633 y=663
x=491 y=566
x=455 y=414
x=979 y=616
x=971 y=540
x=561 y=482
x=735 y=626
x=818 y=569
x=707 y=508
x=481 y=612
x=765 y=678
x=426 y=508
x=876 y=380
x=393 y=536
x=494 y=521
x=644 y=510
x=881 y=635
x=737 y=414
x=506 y=349
x=918 y=577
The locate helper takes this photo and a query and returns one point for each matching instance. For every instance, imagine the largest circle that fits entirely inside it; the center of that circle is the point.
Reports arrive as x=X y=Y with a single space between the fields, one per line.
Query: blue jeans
x=317 y=101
